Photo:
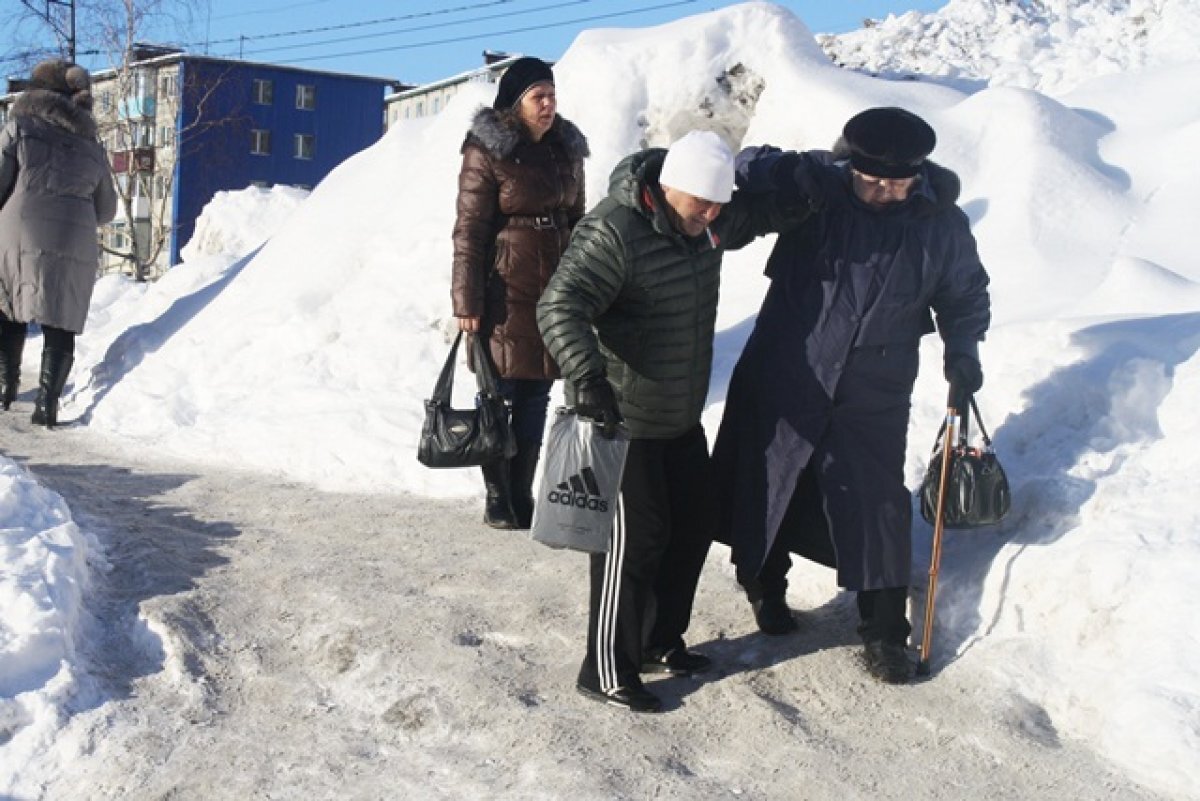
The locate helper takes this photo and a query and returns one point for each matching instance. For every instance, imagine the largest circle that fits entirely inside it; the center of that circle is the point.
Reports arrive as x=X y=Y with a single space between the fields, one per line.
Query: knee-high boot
x=12 y=343
x=522 y=468
x=498 y=510
x=55 y=366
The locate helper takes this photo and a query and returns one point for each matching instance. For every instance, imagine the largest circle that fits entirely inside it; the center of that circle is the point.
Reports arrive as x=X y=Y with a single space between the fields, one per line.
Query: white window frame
x=304 y=146
x=259 y=136
x=263 y=91
x=306 y=97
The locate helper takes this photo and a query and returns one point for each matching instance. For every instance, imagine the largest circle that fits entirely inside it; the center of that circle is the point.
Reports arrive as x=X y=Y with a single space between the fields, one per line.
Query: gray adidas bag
x=581 y=478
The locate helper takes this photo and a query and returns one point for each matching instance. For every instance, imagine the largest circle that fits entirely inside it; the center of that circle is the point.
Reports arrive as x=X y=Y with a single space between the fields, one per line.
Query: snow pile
x=310 y=358
x=234 y=223
x=1048 y=45
x=43 y=577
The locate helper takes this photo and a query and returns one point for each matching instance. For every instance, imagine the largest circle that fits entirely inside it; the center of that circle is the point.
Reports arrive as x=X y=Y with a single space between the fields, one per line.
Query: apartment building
x=180 y=127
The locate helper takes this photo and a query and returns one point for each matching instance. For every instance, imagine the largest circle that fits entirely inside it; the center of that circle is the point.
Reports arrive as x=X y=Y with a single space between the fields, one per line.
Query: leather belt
x=538 y=221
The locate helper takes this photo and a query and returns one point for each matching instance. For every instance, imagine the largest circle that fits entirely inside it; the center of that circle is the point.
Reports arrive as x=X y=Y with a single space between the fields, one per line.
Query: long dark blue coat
x=825 y=380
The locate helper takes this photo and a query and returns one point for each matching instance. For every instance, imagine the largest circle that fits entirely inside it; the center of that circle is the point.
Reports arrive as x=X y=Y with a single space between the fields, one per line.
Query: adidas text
x=581 y=490
x=580 y=500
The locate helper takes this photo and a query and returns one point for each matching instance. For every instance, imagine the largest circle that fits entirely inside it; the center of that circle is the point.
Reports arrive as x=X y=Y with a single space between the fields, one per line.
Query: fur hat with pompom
x=65 y=78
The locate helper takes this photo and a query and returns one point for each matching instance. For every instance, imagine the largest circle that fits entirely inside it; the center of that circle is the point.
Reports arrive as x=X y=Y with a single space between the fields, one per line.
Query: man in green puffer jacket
x=629 y=318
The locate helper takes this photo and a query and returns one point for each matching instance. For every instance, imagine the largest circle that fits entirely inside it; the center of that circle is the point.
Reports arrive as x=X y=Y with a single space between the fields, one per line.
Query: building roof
x=462 y=77
x=179 y=56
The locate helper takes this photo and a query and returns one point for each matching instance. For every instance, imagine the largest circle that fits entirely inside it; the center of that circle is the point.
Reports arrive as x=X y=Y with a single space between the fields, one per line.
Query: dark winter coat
x=636 y=301
x=825 y=380
x=55 y=188
x=517 y=203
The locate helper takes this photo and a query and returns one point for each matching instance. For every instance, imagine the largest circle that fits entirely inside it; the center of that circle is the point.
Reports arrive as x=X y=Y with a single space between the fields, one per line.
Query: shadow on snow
x=1076 y=411
x=133 y=345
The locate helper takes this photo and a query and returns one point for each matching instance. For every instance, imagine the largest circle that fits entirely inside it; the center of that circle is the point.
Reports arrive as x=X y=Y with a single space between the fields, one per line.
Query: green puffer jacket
x=636 y=301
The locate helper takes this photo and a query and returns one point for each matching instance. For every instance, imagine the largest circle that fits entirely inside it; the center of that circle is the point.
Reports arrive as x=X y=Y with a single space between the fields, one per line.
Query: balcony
x=139 y=159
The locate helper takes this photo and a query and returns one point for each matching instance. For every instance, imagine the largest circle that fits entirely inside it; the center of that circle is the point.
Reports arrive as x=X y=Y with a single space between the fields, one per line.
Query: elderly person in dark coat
x=810 y=452
x=55 y=188
x=520 y=192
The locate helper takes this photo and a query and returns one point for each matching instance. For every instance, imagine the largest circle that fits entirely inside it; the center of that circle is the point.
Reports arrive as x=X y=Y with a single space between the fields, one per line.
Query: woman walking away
x=520 y=192
x=55 y=188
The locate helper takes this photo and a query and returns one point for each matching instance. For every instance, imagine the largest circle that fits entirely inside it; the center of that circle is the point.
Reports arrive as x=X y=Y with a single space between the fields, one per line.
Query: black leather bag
x=977 y=491
x=466 y=437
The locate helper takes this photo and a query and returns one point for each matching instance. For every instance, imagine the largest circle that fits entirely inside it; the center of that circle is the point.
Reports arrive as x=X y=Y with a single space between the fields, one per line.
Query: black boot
x=12 y=343
x=884 y=628
x=522 y=468
x=55 y=366
x=773 y=616
x=497 y=510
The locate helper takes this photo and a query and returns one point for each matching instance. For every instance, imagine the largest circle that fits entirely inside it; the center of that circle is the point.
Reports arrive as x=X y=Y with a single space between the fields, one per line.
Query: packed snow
x=1051 y=46
x=308 y=357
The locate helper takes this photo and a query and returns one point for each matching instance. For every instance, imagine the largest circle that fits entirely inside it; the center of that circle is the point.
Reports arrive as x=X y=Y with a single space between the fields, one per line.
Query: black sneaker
x=887 y=661
x=676 y=662
x=635 y=698
x=774 y=617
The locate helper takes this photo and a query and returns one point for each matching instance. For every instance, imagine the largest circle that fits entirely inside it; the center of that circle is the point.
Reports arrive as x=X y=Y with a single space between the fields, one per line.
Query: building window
x=263 y=91
x=166 y=136
x=306 y=97
x=420 y=108
x=306 y=145
x=104 y=102
x=117 y=239
x=260 y=142
x=141 y=134
x=167 y=85
x=437 y=105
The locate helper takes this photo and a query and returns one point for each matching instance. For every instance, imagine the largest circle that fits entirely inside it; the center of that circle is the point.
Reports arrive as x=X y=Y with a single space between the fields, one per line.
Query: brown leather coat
x=517 y=203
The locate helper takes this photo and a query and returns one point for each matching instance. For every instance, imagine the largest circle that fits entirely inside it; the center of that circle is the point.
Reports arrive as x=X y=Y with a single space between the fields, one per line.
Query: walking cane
x=935 y=559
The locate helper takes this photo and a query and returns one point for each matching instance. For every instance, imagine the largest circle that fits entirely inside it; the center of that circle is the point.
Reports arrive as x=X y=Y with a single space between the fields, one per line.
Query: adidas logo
x=581 y=490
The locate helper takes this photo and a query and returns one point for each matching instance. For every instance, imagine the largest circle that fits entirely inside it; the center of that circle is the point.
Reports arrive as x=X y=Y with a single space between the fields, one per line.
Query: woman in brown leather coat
x=520 y=192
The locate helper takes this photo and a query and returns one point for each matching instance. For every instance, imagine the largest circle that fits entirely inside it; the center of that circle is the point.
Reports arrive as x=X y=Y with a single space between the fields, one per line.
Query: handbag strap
x=485 y=371
x=987 y=441
x=445 y=382
x=962 y=431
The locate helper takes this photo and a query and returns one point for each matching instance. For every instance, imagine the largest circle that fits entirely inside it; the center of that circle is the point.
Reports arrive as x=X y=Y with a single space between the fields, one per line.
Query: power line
x=492 y=34
x=275 y=10
x=347 y=25
x=431 y=26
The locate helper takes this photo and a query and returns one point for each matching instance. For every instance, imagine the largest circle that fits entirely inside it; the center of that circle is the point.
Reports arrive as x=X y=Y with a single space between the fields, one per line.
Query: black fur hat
x=65 y=78
x=888 y=142
x=523 y=73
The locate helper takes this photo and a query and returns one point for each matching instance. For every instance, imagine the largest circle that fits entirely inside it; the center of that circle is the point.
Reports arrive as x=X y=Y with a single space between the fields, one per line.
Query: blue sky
x=417 y=41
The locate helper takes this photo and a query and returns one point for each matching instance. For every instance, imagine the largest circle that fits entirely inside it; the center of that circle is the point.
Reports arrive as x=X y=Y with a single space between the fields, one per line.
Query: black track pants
x=642 y=590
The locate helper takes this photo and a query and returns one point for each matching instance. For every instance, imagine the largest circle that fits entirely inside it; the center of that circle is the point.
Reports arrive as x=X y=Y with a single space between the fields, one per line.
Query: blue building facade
x=248 y=124
x=193 y=126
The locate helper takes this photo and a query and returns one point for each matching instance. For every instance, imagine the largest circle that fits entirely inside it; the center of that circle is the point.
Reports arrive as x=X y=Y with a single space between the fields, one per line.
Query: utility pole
x=70 y=4
x=69 y=33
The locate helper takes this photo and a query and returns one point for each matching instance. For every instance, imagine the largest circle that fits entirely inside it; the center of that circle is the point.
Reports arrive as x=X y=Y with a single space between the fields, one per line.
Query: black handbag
x=466 y=437
x=977 y=491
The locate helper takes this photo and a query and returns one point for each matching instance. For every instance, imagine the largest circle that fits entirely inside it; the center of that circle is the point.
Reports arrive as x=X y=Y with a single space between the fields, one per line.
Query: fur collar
x=56 y=109
x=499 y=133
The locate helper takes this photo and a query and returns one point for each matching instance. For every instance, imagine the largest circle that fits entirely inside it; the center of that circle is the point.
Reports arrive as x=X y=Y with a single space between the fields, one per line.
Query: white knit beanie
x=700 y=164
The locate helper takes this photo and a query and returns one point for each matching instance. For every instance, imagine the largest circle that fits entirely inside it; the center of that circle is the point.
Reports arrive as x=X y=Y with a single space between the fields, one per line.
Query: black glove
x=594 y=399
x=965 y=375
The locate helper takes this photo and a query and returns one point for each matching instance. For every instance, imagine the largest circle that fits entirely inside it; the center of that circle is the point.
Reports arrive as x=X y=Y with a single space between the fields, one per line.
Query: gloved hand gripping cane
x=950 y=441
